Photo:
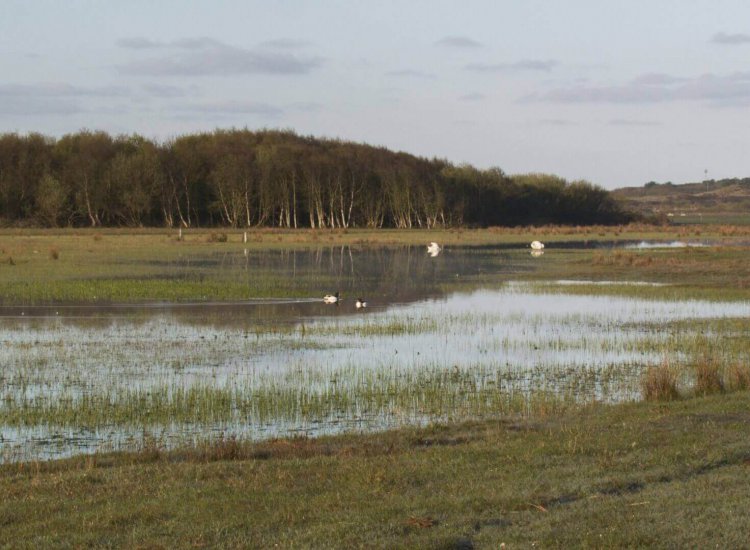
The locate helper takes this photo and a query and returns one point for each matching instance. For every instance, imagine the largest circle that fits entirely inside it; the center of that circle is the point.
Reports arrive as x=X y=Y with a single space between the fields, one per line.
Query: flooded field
x=465 y=334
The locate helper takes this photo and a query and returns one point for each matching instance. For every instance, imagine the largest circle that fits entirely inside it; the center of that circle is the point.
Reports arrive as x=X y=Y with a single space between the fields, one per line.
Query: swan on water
x=433 y=249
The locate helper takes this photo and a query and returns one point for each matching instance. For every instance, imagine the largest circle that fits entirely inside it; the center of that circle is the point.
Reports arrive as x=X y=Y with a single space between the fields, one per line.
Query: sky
x=615 y=92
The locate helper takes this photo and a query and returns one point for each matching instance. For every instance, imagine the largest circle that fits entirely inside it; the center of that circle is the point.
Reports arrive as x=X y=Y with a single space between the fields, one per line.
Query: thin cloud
x=411 y=73
x=53 y=98
x=532 y=65
x=285 y=44
x=139 y=43
x=59 y=90
x=473 y=96
x=458 y=42
x=657 y=79
x=196 y=43
x=632 y=122
x=719 y=90
x=306 y=106
x=203 y=56
x=30 y=106
x=558 y=122
x=164 y=91
x=731 y=39
x=110 y=110
x=235 y=107
x=192 y=43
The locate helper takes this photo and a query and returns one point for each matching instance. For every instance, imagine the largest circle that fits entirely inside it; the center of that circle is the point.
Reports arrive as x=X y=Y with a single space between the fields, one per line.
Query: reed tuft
x=738 y=377
x=708 y=378
x=659 y=383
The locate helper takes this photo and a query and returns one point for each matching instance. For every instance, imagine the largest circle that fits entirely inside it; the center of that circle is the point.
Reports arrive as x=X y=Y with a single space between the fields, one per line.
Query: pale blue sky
x=618 y=93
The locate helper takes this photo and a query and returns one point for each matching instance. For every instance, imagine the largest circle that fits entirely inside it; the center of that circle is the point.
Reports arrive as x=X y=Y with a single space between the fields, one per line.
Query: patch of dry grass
x=708 y=376
x=738 y=376
x=659 y=383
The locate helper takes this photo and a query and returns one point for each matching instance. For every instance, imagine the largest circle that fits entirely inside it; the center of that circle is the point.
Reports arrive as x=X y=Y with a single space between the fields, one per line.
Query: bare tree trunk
x=92 y=215
x=187 y=201
x=226 y=214
x=247 y=205
x=168 y=220
x=185 y=221
x=294 y=198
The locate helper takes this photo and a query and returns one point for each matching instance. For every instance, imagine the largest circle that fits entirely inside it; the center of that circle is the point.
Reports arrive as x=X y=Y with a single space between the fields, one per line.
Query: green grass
x=636 y=475
x=375 y=399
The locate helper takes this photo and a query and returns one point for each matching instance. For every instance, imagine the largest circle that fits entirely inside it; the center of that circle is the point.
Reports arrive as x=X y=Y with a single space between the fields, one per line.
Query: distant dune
x=722 y=201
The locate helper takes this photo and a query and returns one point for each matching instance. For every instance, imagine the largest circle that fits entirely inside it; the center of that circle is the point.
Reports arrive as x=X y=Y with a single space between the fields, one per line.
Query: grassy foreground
x=659 y=475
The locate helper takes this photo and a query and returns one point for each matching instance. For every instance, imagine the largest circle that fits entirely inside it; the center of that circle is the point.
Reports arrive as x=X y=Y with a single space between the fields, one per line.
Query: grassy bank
x=267 y=237
x=660 y=475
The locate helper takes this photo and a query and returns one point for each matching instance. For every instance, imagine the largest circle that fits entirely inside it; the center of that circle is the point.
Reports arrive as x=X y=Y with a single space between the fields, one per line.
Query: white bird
x=360 y=303
x=433 y=249
x=331 y=298
x=537 y=245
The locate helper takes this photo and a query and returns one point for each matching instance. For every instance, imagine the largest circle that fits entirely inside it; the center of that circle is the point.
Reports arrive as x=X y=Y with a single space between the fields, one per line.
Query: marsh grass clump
x=708 y=377
x=150 y=450
x=737 y=377
x=54 y=253
x=224 y=448
x=659 y=383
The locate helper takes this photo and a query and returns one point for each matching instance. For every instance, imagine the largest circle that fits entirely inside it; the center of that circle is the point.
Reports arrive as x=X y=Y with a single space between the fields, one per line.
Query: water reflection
x=645 y=245
x=384 y=275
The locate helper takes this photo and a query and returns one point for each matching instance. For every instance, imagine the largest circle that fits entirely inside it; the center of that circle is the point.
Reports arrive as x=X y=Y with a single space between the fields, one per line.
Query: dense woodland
x=241 y=178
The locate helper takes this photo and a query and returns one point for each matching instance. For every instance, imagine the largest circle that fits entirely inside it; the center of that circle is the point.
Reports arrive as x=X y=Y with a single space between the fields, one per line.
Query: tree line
x=243 y=178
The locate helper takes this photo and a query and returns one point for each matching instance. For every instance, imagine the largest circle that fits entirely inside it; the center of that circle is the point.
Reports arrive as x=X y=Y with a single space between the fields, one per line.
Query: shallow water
x=645 y=245
x=80 y=378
